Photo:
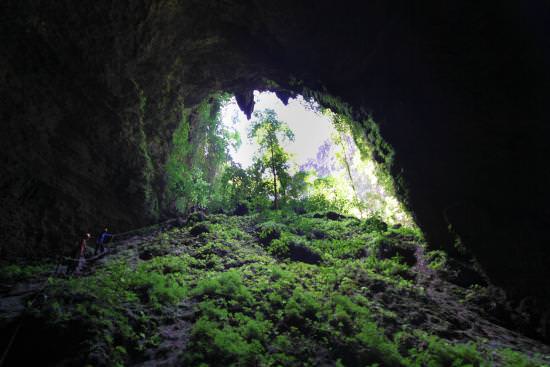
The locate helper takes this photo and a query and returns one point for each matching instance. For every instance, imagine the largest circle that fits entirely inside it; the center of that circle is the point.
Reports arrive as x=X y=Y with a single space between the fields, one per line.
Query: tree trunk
x=273 y=171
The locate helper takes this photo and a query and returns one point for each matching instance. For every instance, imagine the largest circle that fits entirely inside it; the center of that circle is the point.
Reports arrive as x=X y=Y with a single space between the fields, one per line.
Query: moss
x=115 y=303
x=150 y=202
x=511 y=358
x=251 y=308
x=438 y=352
x=18 y=272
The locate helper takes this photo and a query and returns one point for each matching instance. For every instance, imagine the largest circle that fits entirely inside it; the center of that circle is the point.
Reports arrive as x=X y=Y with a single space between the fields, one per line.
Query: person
x=75 y=264
x=102 y=239
x=83 y=243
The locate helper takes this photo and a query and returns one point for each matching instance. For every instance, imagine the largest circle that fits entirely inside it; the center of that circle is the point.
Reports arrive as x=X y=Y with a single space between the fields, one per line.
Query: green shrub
x=378 y=347
x=374 y=223
x=512 y=358
x=436 y=259
x=222 y=346
x=302 y=305
x=269 y=231
x=340 y=248
x=437 y=352
x=16 y=272
x=280 y=247
x=228 y=233
x=228 y=284
x=115 y=301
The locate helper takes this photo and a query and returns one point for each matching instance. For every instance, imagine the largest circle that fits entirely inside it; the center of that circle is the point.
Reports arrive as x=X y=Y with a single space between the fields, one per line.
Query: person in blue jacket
x=102 y=239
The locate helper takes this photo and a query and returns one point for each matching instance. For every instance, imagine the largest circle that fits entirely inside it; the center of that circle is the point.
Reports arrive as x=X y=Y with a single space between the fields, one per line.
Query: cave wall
x=90 y=97
x=91 y=93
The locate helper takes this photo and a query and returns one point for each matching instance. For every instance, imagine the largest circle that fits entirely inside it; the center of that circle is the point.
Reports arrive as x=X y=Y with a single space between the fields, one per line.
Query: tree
x=342 y=138
x=200 y=150
x=269 y=132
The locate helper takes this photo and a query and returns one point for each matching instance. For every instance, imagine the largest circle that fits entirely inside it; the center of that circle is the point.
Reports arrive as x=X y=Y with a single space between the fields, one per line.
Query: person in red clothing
x=79 y=254
x=83 y=243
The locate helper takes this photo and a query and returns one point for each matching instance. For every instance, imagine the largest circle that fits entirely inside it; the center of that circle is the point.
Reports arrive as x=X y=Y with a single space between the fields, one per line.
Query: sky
x=311 y=128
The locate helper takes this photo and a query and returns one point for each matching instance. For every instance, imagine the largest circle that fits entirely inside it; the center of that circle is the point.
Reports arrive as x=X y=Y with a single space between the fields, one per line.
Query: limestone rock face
x=90 y=93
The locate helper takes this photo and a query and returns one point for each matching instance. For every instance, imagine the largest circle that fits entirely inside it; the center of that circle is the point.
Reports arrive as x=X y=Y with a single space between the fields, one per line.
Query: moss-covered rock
x=199 y=229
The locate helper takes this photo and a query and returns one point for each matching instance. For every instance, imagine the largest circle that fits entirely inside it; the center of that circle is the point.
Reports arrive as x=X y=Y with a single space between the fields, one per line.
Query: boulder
x=329 y=215
x=241 y=209
x=317 y=234
x=374 y=224
x=462 y=274
x=300 y=252
x=334 y=216
x=269 y=234
x=387 y=250
x=199 y=229
x=196 y=217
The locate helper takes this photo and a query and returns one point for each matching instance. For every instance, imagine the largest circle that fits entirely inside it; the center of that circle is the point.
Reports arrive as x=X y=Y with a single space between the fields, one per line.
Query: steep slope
x=268 y=289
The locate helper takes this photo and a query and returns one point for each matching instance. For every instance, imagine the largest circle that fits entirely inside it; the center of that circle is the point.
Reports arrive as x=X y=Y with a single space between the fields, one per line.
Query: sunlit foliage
x=201 y=173
x=268 y=132
x=200 y=151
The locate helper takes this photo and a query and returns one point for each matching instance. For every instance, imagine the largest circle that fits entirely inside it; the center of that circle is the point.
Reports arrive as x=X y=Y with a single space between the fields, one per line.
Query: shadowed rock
x=199 y=229
x=299 y=252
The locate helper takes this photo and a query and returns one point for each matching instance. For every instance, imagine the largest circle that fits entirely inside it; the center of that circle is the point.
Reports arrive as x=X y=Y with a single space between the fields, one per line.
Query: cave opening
x=320 y=164
x=105 y=102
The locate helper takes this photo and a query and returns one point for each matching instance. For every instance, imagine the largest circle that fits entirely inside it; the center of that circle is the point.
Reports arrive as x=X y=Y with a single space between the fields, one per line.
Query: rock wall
x=91 y=93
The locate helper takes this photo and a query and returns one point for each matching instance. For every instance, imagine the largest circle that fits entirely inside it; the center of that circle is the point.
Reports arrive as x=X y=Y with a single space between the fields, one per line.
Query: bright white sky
x=310 y=128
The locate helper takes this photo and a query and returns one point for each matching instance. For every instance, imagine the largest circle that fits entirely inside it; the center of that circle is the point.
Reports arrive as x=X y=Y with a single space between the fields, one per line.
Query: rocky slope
x=90 y=95
x=266 y=289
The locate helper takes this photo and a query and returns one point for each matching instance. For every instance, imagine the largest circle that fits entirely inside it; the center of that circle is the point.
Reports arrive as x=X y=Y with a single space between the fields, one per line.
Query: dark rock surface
x=405 y=252
x=90 y=94
x=316 y=234
x=199 y=229
x=300 y=252
x=329 y=215
x=195 y=217
x=241 y=209
x=463 y=274
x=270 y=234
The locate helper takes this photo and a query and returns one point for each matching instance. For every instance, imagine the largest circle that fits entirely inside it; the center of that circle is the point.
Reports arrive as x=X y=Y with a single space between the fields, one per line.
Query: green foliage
x=144 y=163
x=176 y=171
x=269 y=231
x=375 y=223
x=436 y=259
x=300 y=306
x=112 y=301
x=228 y=284
x=511 y=358
x=252 y=309
x=269 y=132
x=436 y=352
x=234 y=186
x=280 y=246
x=238 y=343
x=199 y=152
x=326 y=194
x=15 y=272
x=222 y=186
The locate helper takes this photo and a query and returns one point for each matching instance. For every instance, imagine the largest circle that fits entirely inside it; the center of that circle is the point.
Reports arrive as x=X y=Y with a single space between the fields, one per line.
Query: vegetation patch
x=249 y=303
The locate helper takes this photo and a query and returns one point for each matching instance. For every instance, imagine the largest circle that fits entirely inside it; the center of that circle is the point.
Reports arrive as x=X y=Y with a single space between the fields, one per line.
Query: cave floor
x=269 y=289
